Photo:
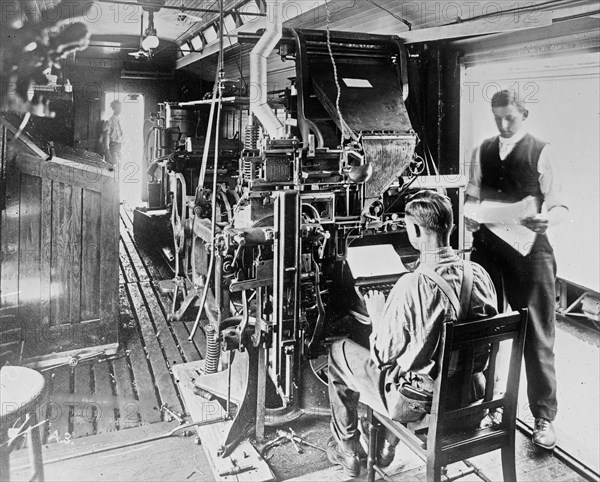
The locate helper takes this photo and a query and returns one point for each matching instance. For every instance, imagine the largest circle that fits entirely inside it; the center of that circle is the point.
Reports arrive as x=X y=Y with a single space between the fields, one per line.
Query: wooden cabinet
x=59 y=267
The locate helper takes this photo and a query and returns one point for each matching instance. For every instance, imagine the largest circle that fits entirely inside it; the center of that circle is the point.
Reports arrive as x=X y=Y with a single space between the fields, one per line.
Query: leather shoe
x=543 y=434
x=385 y=455
x=348 y=460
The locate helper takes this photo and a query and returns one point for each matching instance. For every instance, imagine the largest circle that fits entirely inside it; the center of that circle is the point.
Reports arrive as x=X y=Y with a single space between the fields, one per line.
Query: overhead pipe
x=258 y=72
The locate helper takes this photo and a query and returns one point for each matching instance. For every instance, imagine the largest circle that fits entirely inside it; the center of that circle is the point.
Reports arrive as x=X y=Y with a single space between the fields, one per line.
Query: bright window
x=197 y=43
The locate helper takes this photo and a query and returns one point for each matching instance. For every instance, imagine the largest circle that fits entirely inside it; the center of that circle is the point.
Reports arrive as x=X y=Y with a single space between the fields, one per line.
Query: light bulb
x=150 y=42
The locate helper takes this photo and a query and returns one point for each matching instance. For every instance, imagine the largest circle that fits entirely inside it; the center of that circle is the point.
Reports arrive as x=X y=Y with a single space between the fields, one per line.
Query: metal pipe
x=258 y=73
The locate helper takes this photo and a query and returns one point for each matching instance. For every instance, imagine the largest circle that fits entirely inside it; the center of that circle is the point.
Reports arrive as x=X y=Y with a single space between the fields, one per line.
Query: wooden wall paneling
x=60 y=278
x=76 y=260
x=46 y=255
x=109 y=261
x=30 y=257
x=90 y=263
x=9 y=228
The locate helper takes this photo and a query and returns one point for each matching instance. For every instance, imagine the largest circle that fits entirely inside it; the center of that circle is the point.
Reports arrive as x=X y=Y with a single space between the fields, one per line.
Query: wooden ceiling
x=116 y=26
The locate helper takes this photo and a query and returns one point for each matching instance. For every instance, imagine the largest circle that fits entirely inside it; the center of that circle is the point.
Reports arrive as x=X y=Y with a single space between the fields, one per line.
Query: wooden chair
x=446 y=440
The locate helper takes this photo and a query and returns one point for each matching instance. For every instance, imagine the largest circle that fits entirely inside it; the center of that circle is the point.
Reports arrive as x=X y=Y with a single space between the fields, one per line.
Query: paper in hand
x=504 y=220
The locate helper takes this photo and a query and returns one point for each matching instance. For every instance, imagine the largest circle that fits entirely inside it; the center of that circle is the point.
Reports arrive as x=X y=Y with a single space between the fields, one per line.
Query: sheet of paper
x=501 y=213
x=504 y=220
x=517 y=236
x=374 y=260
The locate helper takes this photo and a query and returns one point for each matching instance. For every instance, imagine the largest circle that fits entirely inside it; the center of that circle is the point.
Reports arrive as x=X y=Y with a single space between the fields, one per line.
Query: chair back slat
x=468 y=338
x=490 y=372
x=468 y=364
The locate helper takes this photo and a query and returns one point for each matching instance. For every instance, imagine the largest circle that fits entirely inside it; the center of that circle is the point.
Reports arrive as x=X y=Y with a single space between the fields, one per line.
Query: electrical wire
x=343 y=127
x=403 y=20
x=236 y=59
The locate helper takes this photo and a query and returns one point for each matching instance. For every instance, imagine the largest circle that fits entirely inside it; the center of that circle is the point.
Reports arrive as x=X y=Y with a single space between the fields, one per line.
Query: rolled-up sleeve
x=474 y=186
x=389 y=336
x=550 y=184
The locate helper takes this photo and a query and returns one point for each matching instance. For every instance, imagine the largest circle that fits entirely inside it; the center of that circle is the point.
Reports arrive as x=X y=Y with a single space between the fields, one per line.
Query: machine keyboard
x=384 y=288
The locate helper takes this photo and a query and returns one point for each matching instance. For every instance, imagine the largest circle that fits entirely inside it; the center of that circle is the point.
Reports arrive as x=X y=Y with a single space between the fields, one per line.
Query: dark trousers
x=527 y=282
x=354 y=377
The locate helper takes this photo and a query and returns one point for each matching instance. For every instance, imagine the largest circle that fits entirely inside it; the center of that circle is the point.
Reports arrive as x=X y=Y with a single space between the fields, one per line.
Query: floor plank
x=127 y=218
x=128 y=406
x=105 y=413
x=134 y=255
x=189 y=348
x=163 y=379
x=129 y=274
x=61 y=411
x=142 y=383
x=163 y=331
x=174 y=458
x=83 y=411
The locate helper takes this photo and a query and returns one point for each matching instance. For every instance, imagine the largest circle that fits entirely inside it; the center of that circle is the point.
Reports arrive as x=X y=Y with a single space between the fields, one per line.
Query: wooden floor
x=127 y=391
x=100 y=397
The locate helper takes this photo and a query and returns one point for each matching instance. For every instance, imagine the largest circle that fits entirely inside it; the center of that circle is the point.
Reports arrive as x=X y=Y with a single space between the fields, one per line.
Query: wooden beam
x=291 y=9
x=484 y=26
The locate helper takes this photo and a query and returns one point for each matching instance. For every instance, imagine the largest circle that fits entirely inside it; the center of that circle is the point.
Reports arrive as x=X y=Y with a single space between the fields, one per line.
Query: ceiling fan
x=183 y=17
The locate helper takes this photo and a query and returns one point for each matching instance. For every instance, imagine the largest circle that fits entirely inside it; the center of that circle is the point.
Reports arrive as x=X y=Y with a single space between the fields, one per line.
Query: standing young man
x=508 y=168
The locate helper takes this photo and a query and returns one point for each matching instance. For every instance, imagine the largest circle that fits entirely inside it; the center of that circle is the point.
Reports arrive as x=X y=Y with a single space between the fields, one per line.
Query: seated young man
x=406 y=330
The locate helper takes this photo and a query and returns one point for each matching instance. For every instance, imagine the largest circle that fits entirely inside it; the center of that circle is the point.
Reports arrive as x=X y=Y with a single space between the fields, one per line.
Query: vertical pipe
x=258 y=72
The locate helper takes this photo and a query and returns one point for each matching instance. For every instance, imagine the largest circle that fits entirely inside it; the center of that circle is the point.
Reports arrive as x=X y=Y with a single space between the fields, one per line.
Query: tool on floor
x=116 y=356
x=172 y=413
x=237 y=470
x=299 y=439
x=73 y=361
x=296 y=446
x=279 y=440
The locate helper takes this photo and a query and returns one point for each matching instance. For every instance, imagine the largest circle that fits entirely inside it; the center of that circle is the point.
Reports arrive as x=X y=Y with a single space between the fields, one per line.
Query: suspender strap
x=461 y=306
x=466 y=290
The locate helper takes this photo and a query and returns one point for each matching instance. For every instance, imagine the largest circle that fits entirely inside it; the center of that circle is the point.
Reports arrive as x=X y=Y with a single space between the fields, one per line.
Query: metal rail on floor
x=565 y=457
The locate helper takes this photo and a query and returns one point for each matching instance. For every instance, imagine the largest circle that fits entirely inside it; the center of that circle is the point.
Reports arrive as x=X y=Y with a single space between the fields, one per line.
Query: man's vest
x=514 y=178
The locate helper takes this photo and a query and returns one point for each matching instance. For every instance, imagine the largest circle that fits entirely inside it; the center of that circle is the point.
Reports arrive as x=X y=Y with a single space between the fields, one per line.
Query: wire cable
x=403 y=20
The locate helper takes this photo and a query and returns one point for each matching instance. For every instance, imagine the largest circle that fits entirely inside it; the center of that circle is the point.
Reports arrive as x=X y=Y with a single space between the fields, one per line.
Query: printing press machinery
x=261 y=248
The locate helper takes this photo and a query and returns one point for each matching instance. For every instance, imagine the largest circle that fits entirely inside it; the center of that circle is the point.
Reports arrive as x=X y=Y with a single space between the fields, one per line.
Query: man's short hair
x=114 y=103
x=507 y=97
x=431 y=210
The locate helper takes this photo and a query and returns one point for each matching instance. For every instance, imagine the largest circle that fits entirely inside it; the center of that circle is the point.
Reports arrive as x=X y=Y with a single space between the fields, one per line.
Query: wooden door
x=59 y=268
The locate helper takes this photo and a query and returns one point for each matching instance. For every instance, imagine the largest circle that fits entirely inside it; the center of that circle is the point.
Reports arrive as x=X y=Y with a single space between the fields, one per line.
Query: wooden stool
x=20 y=390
